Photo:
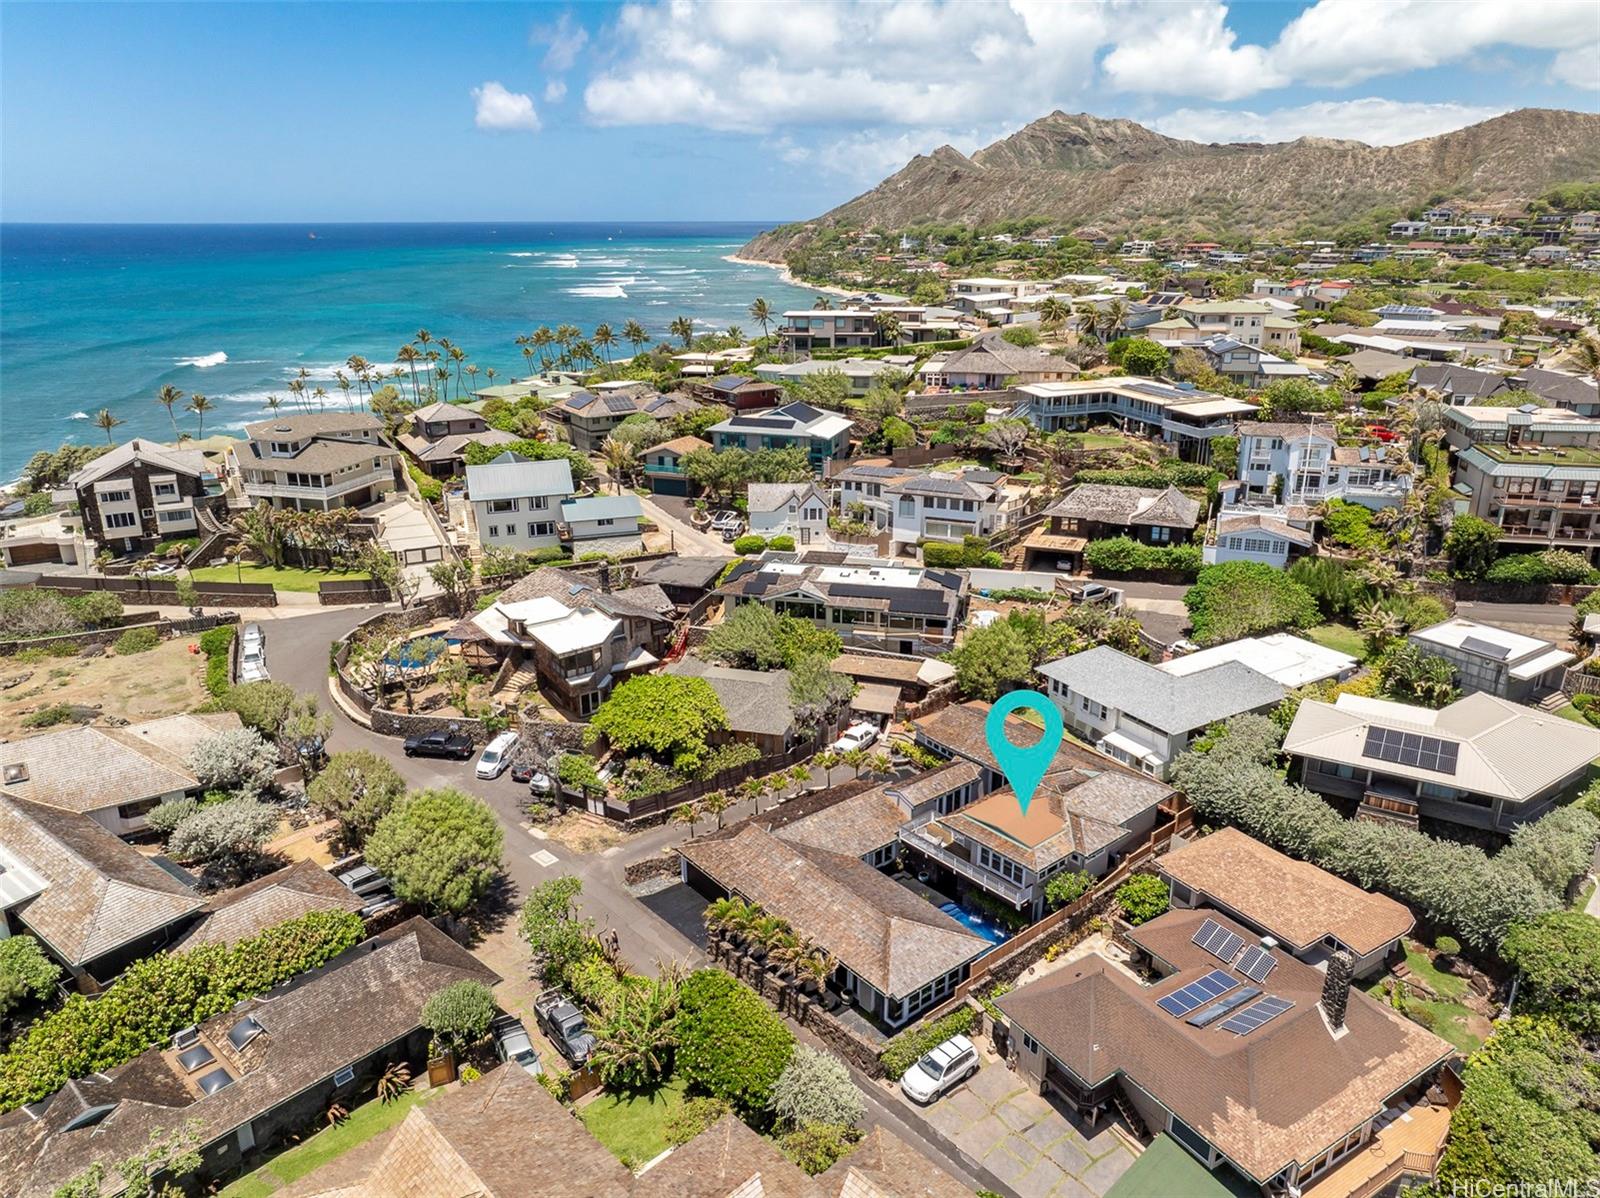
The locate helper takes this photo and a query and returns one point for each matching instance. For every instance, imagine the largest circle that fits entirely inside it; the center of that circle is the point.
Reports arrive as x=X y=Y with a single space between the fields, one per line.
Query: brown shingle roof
x=1108 y=504
x=286 y=894
x=885 y=1166
x=727 y=1160
x=1294 y=901
x=856 y=826
x=1280 y=1094
x=100 y=892
x=878 y=929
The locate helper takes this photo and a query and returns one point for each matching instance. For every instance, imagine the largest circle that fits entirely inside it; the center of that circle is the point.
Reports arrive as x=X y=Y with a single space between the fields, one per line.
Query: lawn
x=286 y=579
x=633 y=1126
x=1103 y=440
x=364 y=1122
x=1341 y=638
x=1452 y=1019
x=1569 y=712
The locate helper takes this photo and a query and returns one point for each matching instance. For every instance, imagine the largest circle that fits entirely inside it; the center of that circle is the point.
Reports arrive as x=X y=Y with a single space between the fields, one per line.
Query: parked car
x=524 y=772
x=857 y=736
x=728 y=523
x=512 y=1043
x=496 y=755
x=439 y=744
x=162 y=570
x=563 y=1025
x=1095 y=592
x=940 y=1070
x=253 y=654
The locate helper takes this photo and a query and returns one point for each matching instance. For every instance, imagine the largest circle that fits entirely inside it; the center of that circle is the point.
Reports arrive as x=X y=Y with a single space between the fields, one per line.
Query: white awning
x=1540 y=664
x=1130 y=747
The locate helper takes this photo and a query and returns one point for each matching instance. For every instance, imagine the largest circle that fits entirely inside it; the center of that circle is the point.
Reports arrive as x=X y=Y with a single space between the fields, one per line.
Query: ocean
x=101 y=316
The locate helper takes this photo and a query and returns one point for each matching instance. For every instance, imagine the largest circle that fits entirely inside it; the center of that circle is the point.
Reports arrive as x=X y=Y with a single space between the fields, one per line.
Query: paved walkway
x=1029 y=1146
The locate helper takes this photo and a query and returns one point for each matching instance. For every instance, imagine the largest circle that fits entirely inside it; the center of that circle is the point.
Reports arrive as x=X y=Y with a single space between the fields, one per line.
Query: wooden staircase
x=1128 y=1114
x=520 y=681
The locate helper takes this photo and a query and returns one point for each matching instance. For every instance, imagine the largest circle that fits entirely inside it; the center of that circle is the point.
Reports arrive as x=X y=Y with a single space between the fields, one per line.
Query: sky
x=698 y=110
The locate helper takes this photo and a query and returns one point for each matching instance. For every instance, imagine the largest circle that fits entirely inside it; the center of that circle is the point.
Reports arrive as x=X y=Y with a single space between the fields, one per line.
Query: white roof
x=1545 y=661
x=1505 y=750
x=582 y=629
x=1488 y=641
x=513 y=477
x=1290 y=661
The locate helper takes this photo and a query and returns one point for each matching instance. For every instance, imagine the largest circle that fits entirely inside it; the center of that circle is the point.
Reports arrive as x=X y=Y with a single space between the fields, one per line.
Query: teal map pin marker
x=1024 y=765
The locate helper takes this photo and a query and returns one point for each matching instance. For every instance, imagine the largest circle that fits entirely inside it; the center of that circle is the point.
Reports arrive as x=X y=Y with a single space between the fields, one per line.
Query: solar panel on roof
x=1485 y=648
x=1196 y=994
x=581 y=400
x=619 y=403
x=1218 y=940
x=1256 y=963
x=1412 y=749
x=758 y=422
x=1206 y=1016
x=1264 y=1012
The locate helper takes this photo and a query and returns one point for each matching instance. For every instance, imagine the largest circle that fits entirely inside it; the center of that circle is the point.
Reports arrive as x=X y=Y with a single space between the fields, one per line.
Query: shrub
x=48 y=717
x=431 y=489
x=1238 y=599
x=216 y=644
x=1124 y=555
x=691 y=1118
x=816 y=1087
x=1142 y=898
x=1471 y=545
x=817 y=1147
x=1350 y=525
x=441 y=848
x=169 y=813
x=1558 y=955
x=137 y=640
x=907 y=1048
x=748 y=544
x=667 y=716
x=972 y=552
x=1067 y=887
x=782 y=543
x=357 y=788
x=25 y=972
x=229 y=831
x=239 y=760
x=459 y=1015
x=730 y=1043
x=160 y=994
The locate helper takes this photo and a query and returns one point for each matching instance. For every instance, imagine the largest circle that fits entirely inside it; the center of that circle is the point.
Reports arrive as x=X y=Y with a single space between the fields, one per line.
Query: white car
x=163 y=570
x=940 y=1070
x=496 y=757
x=857 y=736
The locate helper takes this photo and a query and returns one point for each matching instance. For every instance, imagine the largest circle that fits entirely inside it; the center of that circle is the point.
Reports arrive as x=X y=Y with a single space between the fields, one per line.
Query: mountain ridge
x=1077 y=168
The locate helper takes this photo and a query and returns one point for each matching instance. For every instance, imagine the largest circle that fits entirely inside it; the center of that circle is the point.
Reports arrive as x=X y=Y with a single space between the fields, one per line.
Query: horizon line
x=333 y=224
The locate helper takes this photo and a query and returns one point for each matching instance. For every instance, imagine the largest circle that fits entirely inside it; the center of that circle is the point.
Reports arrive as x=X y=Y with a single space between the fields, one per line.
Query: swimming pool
x=976 y=923
x=412 y=655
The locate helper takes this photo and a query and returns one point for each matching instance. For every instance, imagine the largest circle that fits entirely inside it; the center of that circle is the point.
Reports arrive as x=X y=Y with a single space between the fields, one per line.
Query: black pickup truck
x=563 y=1025
x=439 y=744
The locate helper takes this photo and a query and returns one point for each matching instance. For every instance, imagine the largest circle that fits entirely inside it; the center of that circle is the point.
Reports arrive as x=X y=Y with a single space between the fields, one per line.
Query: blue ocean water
x=101 y=316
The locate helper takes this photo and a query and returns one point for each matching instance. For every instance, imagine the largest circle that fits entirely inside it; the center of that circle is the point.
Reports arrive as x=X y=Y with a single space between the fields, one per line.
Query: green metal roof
x=1167 y=1170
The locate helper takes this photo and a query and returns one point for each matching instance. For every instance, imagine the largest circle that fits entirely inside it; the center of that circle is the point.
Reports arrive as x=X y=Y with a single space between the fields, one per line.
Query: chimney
x=1336 y=987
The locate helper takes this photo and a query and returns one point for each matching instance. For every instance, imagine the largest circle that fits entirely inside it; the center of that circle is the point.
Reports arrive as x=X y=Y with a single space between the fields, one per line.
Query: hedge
x=906 y=1049
x=216 y=644
x=730 y=1043
x=161 y=994
x=1124 y=555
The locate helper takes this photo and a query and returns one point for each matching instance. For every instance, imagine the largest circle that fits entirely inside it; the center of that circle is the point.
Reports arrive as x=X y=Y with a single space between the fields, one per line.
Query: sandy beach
x=787 y=276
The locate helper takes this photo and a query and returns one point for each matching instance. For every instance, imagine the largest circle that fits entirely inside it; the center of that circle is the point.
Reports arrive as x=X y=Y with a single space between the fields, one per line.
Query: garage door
x=28 y=555
x=670 y=486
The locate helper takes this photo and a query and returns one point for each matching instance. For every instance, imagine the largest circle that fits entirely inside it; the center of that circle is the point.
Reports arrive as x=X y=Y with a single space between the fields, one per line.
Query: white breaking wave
x=204 y=360
x=521 y=254
x=80 y=416
x=599 y=291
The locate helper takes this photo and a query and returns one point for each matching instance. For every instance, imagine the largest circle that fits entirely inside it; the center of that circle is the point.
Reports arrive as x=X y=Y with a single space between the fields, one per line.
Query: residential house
x=741 y=392
x=251 y=1076
x=823 y=435
x=1290 y=661
x=569 y=632
x=904 y=609
x=1458 y=384
x=1301 y=464
x=858 y=373
x=589 y=518
x=1557 y=389
x=663 y=465
x=1145 y=716
x=1096 y=511
x=1274 y=536
x=897 y=954
x=911 y=678
x=588 y=417
x=1279 y=1087
x=1242 y=363
x=230 y=916
x=811 y=329
x=1535 y=472
x=1240 y=320
x=1481 y=762
x=947 y=506
x=316 y=462
x=684 y=579
x=141 y=494
x=861 y=490
x=1281 y=335
x=798 y=510
x=115 y=776
x=756 y=703
x=1307 y=912
x=991 y=363
x=1496 y=661
x=440 y=433
x=95 y=903
x=1186 y=418
x=516 y=502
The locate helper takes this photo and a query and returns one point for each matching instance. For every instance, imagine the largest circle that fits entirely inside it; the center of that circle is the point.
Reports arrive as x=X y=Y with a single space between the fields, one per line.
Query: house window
x=180 y=516
x=137 y=810
x=541 y=529
x=121 y=520
x=1190 y=1139
x=1029 y=1043
x=345 y=1076
x=502 y=505
x=165 y=490
x=1092 y=709
x=607 y=523
x=539 y=503
x=1159 y=535
x=115 y=496
x=494 y=530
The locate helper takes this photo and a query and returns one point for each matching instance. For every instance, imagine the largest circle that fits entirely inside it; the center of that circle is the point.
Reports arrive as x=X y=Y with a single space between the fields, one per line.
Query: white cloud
x=1180 y=50
x=1374 y=121
x=555 y=91
x=1579 y=67
x=563 y=42
x=504 y=110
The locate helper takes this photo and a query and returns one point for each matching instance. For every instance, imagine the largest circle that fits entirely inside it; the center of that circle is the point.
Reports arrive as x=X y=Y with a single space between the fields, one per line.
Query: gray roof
x=325 y=453
x=769 y=497
x=602 y=507
x=1458 y=380
x=312 y=424
x=683 y=571
x=511 y=476
x=757 y=702
x=1172 y=704
x=149 y=453
x=1108 y=504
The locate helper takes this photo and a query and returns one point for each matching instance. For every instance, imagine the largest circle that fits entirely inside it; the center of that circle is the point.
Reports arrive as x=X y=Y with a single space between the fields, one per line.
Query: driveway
x=671 y=515
x=996 y=1120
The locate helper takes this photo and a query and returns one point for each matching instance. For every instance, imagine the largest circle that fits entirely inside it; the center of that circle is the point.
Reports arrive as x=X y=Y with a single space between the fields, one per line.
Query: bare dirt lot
x=166 y=680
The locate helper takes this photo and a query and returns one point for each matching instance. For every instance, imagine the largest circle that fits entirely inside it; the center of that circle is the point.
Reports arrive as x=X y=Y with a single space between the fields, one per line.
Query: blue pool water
x=978 y=924
x=409 y=657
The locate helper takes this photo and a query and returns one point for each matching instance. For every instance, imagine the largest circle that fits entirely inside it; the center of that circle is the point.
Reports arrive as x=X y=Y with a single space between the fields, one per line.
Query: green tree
x=635 y=1032
x=1142 y=898
x=666 y=715
x=460 y=1014
x=25 y=972
x=357 y=788
x=816 y=1087
x=1409 y=675
x=1471 y=545
x=1236 y=599
x=229 y=834
x=730 y=1043
x=441 y=848
x=1295 y=397
x=1143 y=356
x=1558 y=956
x=993 y=660
x=816 y=1147
x=1067 y=887
x=238 y=760
x=557 y=935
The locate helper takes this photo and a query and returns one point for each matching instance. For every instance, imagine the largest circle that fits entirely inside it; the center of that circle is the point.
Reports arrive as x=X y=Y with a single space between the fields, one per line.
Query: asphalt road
x=1554 y=617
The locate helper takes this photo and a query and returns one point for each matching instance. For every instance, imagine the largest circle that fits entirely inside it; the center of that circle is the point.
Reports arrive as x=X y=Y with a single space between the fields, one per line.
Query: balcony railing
x=1564 y=501
x=957 y=857
x=334 y=486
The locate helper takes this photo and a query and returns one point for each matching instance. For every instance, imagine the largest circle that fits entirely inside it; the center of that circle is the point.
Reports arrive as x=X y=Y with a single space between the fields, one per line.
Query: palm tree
x=800 y=775
x=1585 y=352
x=458 y=356
x=1116 y=315
x=888 y=325
x=716 y=803
x=541 y=341
x=735 y=334
x=880 y=763
x=472 y=378
x=321 y=396
x=686 y=814
x=635 y=1032
x=166 y=397
x=855 y=759
x=200 y=405
x=683 y=327
x=362 y=369
x=826 y=761
x=273 y=403
x=1054 y=311
x=753 y=789
x=604 y=339
x=104 y=419
x=343 y=380
x=822 y=304
x=621 y=460
x=761 y=313
x=633 y=333
x=1088 y=320
x=409 y=357
x=724 y=915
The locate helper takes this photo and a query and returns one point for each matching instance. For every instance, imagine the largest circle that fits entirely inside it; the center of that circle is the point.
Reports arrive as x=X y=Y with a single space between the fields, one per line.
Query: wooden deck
x=1411 y=1145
